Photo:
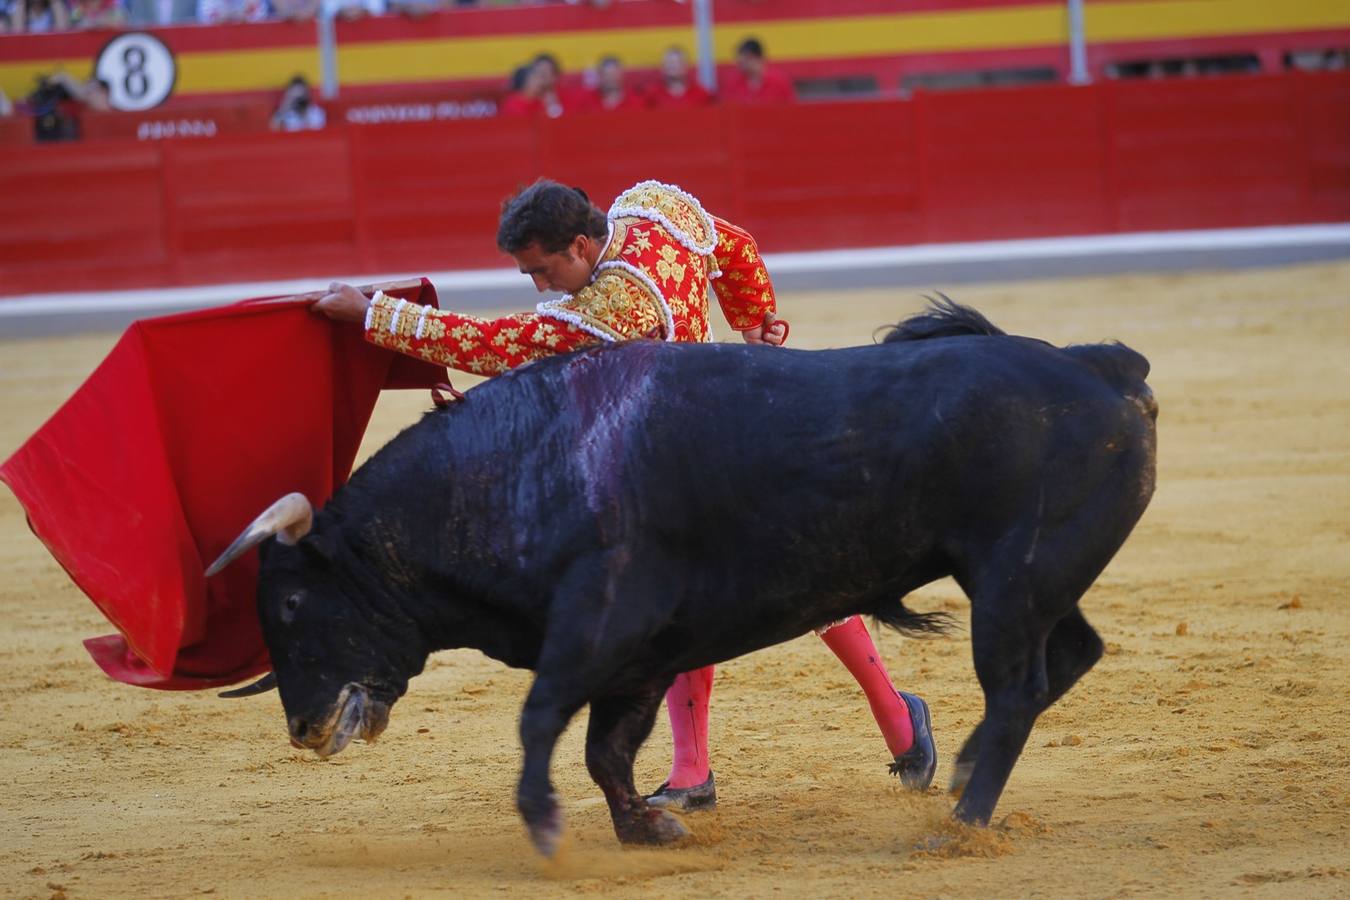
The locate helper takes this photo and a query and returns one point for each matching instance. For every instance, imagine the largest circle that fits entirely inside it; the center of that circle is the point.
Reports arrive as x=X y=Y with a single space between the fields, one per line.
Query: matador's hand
x=772 y=331
x=342 y=303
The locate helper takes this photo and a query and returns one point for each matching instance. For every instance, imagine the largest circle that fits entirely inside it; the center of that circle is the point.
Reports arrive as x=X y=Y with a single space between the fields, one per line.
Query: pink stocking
x=687 y=703
x=853 y=645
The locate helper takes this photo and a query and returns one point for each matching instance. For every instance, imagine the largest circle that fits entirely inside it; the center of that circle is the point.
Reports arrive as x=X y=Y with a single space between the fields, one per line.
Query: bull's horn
x=261 y=686
x=290 y=519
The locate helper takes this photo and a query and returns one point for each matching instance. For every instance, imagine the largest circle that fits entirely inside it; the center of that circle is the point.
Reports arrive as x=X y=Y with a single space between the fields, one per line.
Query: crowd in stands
x=60 y=15
x=537 y=87
x=57 y=105
x=63 y=15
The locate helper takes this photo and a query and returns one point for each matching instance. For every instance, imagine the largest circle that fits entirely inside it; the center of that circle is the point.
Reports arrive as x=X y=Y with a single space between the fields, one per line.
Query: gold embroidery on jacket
x=617 y=304
x=676 y=209
x=667 y=266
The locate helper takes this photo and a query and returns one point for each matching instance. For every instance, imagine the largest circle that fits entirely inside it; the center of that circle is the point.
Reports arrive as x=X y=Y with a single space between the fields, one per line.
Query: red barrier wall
x=416 y=197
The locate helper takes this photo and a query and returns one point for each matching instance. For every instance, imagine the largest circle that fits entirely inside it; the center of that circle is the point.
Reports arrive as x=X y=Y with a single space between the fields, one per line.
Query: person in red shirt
x=526 y=88
x=539 y=91
x=611 y=94
x=676 y=89
x=754 y=81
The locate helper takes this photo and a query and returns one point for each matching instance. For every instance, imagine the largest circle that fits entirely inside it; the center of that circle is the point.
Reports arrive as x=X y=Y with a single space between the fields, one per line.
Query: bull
x=618 y=515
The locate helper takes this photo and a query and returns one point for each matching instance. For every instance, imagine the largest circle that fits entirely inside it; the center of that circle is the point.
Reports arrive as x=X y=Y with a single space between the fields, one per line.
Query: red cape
x=193 y=425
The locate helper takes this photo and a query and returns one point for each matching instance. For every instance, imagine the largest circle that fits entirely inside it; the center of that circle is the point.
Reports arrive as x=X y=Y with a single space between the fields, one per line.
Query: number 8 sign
x=139 y=70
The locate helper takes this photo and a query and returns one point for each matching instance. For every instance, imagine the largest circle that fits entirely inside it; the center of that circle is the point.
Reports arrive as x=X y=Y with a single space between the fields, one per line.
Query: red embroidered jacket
x=664 y=258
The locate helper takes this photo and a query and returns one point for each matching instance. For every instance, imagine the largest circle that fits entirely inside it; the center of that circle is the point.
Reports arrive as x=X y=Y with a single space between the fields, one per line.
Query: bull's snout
x=354 y=715
x=300 y=729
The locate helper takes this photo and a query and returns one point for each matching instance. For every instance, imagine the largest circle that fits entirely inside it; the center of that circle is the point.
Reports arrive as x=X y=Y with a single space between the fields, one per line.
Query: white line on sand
x=1111 y=246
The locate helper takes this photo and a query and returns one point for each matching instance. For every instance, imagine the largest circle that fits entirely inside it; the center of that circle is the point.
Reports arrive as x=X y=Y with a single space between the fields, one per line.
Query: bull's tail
x=896 y=615
x=1122 y=368
x=943 y=318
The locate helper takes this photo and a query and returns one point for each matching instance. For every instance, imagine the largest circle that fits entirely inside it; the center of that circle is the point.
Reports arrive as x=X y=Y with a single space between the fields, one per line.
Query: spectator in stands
x=161 y=12
x=87 y=14
x=755 y=81
x=525 y=99
x=611 y=94
x=551 y=94
x=220 y=12
x=536 y=91
x=60 y=101
x=297 y=110
x=677 y=88
x=352 y=9
x=39 y=15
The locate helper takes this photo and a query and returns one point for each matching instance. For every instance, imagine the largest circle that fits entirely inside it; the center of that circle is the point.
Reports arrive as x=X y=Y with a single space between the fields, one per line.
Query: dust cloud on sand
x=1206 y=755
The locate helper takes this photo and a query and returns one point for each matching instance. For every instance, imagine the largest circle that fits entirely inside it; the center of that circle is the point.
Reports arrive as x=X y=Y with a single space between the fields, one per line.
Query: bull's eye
x=289 y=606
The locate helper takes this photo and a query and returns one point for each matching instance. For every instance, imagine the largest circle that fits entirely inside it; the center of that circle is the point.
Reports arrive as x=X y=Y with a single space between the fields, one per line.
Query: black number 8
x=136 y=83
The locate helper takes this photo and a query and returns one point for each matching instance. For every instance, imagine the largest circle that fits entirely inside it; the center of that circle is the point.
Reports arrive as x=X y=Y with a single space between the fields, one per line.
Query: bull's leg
x=619 y=725
x=1071 y=650
x=1009 y=650
x=549 y=707
x=585 y=649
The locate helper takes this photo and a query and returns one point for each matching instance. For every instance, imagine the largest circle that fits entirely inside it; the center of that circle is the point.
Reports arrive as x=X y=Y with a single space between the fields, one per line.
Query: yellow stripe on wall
x=1121 y=21
x=854 y=36
x=895 y=34
x=246 y=70
x=495 y=57
x=19 y=79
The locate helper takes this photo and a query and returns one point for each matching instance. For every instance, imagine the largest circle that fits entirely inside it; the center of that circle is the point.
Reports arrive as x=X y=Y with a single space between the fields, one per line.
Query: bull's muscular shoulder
x=678 y=212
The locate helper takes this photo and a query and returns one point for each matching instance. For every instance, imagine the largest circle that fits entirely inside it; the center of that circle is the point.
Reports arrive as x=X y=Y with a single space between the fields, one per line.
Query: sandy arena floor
x=1206 y=755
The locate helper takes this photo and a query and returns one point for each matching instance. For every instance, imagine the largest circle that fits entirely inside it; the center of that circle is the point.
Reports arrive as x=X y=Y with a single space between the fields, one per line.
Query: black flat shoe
x=917 y=764
x=691 y=799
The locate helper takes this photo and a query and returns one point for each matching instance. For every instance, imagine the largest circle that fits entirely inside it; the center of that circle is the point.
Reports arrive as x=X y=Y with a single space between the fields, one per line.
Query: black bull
x=613 y=517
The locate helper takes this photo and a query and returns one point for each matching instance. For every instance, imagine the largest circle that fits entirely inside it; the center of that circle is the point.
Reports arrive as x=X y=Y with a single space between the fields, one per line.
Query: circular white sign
x=139 y=70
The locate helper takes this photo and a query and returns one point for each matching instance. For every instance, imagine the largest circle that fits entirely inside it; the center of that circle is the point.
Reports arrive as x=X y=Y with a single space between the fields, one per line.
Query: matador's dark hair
x=549 y=214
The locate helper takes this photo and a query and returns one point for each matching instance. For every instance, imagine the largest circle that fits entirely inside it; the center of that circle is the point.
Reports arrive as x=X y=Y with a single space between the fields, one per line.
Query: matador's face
x=568 y=270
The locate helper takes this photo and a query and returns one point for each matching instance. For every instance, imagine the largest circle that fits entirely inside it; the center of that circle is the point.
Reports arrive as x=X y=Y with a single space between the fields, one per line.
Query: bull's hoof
x=698 y=798
x=655 y=826
x=917 y=764
x=546 y=830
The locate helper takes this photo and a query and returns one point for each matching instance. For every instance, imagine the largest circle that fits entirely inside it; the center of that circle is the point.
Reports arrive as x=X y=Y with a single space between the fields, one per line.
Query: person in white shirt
x=297 y=110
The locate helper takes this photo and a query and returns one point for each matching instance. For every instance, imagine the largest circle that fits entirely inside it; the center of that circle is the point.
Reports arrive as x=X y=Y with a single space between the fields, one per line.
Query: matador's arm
x=743 y=289
x=468 y=343
x=611 y=308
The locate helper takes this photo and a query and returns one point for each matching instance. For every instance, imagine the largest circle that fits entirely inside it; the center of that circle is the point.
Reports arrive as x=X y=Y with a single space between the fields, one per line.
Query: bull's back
x=687 y=435
x=685 y=438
